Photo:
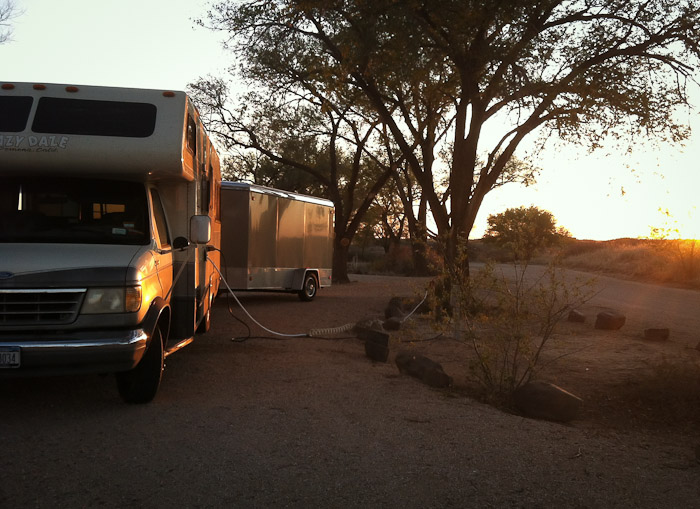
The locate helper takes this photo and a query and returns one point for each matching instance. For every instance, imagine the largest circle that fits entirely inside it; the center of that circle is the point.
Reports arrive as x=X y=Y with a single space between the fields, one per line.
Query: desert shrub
x=684 y=258
x=506 y=317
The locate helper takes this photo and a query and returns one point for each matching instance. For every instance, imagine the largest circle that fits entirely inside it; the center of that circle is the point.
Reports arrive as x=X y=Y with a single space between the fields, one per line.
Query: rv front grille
x=39 y=307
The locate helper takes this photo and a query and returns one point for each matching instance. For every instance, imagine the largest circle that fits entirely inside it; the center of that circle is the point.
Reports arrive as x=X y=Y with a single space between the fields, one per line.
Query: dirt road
x=313 y=423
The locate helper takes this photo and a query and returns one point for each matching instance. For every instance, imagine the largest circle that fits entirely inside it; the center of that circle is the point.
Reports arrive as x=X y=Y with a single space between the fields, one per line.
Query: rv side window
x=159 y=216
x=95 y=118
x=216 y=192
x=14 y=113
x=191 y=134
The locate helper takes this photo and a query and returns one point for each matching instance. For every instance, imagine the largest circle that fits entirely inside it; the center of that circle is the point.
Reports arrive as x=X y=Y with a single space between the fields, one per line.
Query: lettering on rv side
x=33 y=143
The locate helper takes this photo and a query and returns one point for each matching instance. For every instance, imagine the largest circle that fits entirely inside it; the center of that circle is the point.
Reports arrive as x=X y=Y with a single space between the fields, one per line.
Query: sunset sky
x=154 y=44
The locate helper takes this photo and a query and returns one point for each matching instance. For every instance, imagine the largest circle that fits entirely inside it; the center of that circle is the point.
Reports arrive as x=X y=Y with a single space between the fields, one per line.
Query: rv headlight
x=112 y=300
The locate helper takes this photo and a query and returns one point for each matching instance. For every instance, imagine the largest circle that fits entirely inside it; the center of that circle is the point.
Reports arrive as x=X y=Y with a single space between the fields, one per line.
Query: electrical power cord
x=313 y=333
x=270 y=331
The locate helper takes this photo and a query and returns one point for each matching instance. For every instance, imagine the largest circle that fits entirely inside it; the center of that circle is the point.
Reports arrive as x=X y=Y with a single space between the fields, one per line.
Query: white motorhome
x=109 y=202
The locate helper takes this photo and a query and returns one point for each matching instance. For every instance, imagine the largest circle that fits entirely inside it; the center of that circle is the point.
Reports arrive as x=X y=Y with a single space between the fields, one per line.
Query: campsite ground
x=312 y=422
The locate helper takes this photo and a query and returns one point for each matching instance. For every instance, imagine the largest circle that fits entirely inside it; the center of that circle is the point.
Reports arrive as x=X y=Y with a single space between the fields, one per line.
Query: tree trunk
x=419 y=250
x=340 y=260
x=419 y=240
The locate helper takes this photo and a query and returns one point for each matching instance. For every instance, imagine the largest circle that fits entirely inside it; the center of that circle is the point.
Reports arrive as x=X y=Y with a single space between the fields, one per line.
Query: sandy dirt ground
x=313 y=423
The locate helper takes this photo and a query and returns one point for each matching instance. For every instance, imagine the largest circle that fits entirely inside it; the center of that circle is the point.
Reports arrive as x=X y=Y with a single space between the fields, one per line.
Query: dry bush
x=656 y=261
x=506 y=319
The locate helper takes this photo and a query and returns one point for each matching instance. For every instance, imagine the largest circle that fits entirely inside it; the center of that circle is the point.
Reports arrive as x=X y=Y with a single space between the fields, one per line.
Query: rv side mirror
x=180 y=243
x=200 y=229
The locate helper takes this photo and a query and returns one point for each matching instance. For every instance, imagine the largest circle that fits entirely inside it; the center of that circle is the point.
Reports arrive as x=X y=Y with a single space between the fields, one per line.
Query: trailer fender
x=300 y=277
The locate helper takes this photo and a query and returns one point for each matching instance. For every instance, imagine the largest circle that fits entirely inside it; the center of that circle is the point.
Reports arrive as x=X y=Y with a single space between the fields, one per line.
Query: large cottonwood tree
x=8 y=11
x=475 y=78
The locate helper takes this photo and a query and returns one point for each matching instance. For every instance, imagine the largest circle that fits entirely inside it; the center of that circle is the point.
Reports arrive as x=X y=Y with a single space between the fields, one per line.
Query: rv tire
x=310 y=288
x=140 y=384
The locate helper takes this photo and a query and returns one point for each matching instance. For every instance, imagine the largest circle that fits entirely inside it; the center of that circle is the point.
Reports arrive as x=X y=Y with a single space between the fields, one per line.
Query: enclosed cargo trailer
x=275 y=240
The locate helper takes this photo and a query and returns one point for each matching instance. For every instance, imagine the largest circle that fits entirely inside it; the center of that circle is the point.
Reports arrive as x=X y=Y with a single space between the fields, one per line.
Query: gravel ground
x=313 y=423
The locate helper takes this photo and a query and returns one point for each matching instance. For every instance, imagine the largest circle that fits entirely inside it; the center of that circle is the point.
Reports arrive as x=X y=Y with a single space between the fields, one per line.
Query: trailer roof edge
x=254 y=188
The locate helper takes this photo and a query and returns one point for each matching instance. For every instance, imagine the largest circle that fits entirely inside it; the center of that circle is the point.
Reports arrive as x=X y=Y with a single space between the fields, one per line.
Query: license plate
x=9 y=357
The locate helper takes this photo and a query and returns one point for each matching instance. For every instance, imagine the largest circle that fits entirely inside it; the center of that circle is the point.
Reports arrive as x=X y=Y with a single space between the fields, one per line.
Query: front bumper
x=77 y=352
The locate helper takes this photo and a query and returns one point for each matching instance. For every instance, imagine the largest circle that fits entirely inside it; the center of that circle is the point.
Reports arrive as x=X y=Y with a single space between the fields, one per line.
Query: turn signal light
x=8 y=86
x=71 y=89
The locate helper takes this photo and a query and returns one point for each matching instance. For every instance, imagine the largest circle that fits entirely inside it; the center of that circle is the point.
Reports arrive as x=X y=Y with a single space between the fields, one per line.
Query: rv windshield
x=73 y=211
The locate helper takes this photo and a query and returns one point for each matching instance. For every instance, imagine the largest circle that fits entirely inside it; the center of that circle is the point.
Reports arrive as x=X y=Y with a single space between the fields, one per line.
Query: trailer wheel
x=140 y=384
x=308 y=291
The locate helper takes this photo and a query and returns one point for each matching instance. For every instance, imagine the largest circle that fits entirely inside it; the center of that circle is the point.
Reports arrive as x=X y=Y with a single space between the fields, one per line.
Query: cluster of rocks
x=534 y=399
x=614 y=320
x=376 y=338
x=373 y=331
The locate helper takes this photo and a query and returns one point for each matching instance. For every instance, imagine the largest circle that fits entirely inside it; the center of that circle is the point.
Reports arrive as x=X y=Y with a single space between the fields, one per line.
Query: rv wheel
x=308 y=291
x=205 y=323
x=141 y=383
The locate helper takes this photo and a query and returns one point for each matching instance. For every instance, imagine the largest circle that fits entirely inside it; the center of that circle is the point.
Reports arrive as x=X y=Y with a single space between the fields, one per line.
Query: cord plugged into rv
x=313 y=333
x=240 y=304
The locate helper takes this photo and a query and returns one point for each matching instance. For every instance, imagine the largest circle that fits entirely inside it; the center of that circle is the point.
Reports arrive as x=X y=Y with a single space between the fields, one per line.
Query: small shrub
x=506 y=320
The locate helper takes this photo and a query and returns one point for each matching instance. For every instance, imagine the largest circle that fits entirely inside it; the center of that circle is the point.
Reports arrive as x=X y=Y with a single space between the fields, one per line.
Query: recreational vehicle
x=110 y=205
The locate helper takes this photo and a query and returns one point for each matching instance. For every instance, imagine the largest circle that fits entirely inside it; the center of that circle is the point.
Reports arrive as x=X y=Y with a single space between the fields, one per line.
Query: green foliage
x=523 y=231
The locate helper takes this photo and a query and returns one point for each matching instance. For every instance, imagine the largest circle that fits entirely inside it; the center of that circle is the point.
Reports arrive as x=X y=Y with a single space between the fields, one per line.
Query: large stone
x=393 y=311
x=393 y=323
x=408 y=304
x=423 y=368
x=610 y=320
x=376 y=351
x=374 y=335
x=576 y=316
x=543 y=400
x=657 y=334
x=376 y=343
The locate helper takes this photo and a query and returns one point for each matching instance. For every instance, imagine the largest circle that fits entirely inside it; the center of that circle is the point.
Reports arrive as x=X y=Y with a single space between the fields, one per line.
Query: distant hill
x=673 y=262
